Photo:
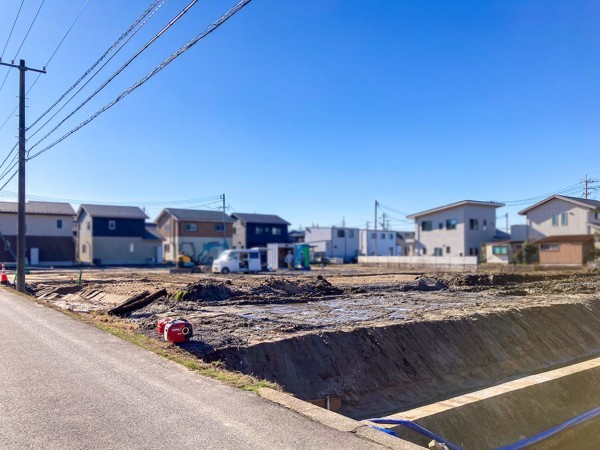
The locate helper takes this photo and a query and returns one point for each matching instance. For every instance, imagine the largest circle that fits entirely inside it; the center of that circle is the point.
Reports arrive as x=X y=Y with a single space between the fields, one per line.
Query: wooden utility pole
x=224 y=224
x=21 y=226
x=376 y=247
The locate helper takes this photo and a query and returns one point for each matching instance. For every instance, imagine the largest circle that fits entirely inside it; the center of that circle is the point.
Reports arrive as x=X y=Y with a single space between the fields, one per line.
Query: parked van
x=244 y=260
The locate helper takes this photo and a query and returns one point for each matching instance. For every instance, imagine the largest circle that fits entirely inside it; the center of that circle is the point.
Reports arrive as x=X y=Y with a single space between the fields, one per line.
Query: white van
x=244 y=260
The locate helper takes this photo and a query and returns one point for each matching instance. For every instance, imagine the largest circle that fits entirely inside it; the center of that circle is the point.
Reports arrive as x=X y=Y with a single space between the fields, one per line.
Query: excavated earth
x=378 y=342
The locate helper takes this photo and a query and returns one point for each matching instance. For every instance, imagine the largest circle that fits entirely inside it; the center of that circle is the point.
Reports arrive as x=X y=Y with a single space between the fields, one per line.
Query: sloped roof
x=455 y=205
x=151 y=232
x=269 y=219
x=584 y=202
x=566 y=238
x=113 y=211
x=196 y=214
x=50 y=208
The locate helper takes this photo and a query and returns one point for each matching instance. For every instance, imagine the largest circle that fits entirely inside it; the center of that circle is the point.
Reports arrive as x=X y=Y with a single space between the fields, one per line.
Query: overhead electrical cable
x=115 y=74
x=49 y=60
x=23 y=41
x=212 y=27
x=12 y=29
x=104 y=55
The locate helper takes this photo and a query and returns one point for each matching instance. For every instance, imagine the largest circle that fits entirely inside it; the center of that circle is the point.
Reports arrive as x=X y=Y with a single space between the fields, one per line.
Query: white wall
x=327 y=240
x=540 y=219
x=431 y=262
x=37 y=225
x=386 y=243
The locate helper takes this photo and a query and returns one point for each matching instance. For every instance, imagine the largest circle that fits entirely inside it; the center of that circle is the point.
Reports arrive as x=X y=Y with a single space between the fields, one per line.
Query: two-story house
x=258 y=230
x=116 y=235
x=564 y=228
x=334 y=242
x=199 y=234
x=379 y=243
x=457 y=229
x=49 y=236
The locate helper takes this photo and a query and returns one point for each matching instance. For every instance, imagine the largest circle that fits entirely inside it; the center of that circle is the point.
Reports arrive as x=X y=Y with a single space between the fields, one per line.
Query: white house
x=333 y=242
x=379 y=243
x=560 y=215
x=458 y=229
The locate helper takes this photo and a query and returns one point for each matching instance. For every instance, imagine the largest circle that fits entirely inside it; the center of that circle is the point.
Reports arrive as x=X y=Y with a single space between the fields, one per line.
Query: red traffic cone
x=4 y=278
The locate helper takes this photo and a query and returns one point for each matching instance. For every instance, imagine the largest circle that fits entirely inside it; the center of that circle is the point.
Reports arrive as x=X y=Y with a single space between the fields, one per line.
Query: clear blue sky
x=313 y=110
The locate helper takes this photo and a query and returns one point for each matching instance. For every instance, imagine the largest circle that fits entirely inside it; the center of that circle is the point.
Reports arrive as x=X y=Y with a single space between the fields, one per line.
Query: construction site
x=483 y=360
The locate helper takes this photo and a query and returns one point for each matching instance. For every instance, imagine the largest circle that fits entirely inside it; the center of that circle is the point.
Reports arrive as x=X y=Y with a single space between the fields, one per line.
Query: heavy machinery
x=189 y=258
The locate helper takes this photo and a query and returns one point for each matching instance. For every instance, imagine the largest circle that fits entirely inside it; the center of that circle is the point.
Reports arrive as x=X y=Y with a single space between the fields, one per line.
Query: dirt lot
x=238 y=310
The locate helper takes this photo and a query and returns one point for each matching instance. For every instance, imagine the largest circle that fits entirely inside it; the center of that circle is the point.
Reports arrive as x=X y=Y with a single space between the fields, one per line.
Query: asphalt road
x=65 y=384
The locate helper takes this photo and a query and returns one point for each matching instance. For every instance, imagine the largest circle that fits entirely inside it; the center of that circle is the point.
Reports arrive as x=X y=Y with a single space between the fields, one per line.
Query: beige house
x=116 y=235
x=49 y=238
x=560 y=215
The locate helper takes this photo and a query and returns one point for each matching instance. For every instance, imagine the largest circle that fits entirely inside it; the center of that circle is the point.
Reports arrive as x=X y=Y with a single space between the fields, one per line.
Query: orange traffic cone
x=4 y=278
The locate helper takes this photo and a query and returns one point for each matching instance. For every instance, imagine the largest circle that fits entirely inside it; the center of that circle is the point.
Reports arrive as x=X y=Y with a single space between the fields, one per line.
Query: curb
x=336 y=421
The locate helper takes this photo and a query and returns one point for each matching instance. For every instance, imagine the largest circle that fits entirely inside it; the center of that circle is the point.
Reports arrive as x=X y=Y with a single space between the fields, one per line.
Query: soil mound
x=296 y=287
x=207 y=291
x=424 y=284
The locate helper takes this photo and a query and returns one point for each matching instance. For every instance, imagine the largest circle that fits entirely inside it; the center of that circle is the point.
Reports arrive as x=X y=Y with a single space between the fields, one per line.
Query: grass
x=129 y=331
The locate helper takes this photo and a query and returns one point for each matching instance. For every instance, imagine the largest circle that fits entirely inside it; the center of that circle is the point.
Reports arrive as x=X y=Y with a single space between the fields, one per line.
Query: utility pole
x=507 y=229
x=588 y=188
x=367 y=239
x=224 y=223
x=376 y=249
x=383 y=224
x=21 y=226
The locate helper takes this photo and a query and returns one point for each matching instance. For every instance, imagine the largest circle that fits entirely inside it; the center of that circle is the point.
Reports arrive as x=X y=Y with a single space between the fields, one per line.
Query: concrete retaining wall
x=429 y=262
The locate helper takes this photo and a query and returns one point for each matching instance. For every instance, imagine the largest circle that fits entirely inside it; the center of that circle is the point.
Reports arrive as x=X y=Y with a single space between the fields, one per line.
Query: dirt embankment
x=377 y=370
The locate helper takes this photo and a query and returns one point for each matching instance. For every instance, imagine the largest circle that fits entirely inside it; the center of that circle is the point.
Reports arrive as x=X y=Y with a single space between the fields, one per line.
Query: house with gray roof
x=457 y=229
x=561 y=215
x=116 y=235
x=49 y=238
x=258 y=230
x=200 y=234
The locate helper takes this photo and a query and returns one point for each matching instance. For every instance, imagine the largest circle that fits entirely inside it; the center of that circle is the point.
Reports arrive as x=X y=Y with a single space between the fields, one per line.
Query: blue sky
x=313 y=110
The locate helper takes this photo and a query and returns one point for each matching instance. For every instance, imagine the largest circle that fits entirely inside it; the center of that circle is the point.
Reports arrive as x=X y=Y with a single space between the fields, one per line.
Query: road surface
x=65 y=384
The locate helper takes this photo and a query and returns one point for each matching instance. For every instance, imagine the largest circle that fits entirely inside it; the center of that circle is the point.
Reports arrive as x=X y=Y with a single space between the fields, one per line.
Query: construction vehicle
x=189 y=258
x=184 y=260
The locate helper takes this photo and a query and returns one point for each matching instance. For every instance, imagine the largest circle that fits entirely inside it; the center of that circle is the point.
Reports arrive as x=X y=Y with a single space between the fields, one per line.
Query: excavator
x=185 y=260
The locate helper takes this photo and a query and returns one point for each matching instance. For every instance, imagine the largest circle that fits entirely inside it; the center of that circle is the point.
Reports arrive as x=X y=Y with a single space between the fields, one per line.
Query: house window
x=470 y=251
x=89 y=225
x=131 y=247
x=440 y=226
x=167 y=248
x=372 y=235
x=191 y=227
x=549 y=247
x=484 y=224
x=451 y=224
x=84 y=248
x=476 y=251
x=276 y=231
x=260 y=230
x=447 y=249
x=554 y=220
x=564 y=217
x=58 y=223
x=391 y=235
x=382 y=235
x=219 y=227
x=112 y=225
x=597 y=215
x=500 y=250
x=438 y=251
x=426 y=225
x=473 y=224
x=341 y=233
x=351 y=234
x=168 y=227
x=424 y=250
x=234 y=230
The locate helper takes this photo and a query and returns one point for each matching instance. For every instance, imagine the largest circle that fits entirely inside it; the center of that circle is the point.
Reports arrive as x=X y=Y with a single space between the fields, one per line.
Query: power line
x=49 y=60
x=115 y=74
x=12 y=29
x=212 y=27
x=104 y=55
x=23 y=41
